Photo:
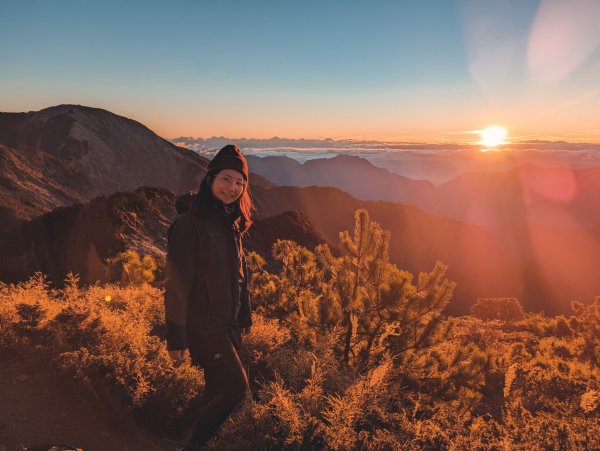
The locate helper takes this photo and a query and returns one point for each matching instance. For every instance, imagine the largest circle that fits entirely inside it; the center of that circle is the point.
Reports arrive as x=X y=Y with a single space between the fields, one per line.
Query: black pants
x=226 y=381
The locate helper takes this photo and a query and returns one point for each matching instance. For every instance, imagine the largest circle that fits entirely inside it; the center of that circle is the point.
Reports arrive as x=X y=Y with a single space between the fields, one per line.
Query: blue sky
x=422 y=70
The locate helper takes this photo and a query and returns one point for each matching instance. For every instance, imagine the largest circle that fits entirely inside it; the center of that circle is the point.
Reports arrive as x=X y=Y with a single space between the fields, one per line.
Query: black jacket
x=206 y=285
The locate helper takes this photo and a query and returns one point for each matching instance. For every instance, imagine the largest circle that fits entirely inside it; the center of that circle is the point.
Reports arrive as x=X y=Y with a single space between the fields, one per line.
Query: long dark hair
x=243 y=204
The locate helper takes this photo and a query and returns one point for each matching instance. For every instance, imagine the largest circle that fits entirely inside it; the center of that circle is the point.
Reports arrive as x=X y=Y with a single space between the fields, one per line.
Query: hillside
x=70 y=153
x=527 y=382
x=81 y=237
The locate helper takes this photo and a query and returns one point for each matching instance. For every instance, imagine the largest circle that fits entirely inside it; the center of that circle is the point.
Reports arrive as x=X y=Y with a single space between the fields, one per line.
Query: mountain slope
x=70 y=153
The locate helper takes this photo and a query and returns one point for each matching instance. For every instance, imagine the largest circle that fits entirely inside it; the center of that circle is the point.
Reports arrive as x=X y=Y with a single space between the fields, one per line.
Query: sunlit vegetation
x=504 y=309
x=132 y=268
x=347 y=352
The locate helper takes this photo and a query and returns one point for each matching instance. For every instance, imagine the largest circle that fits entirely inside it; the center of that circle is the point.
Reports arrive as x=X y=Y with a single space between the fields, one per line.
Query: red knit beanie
x=229 y=157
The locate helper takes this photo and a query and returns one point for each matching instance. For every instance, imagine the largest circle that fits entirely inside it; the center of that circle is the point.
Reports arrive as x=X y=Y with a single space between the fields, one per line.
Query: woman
x=206 y=289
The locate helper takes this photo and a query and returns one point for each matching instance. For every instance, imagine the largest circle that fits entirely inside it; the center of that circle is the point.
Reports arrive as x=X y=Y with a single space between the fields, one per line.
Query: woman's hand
x=177 y=355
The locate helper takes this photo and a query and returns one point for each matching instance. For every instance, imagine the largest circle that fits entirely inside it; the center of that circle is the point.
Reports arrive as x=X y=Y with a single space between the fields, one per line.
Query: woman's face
x=228 y=185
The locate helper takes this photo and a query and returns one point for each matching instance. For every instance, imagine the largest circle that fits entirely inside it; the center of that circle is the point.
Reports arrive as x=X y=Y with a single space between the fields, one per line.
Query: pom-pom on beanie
x=229 y=157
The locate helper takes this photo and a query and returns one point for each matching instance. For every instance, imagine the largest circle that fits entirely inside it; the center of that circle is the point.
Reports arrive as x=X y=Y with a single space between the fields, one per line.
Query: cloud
x=438 y=163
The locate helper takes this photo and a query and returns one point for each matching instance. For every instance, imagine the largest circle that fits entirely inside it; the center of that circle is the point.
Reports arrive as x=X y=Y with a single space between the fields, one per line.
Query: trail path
x=39 y=406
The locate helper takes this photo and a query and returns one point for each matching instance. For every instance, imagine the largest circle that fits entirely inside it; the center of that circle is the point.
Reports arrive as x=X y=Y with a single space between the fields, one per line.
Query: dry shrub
x=444 y=396
x=524 y=430
x=277 y=419
x=112 y=327
x=482 y=433
x=503 y=309
x=547 y=401
x=105 y=336
x=265 y=346
x=272 y=352
x=291 y=422
x=25 y=310
x=354 y=417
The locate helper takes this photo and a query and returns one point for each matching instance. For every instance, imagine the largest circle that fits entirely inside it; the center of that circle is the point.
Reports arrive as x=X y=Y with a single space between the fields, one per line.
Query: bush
x=503 y=309
x=131 y=268
x=371 y=304
x=105 y=337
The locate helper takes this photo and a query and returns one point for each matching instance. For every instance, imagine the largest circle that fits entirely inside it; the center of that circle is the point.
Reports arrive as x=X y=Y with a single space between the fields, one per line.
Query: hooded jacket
x=206 y=285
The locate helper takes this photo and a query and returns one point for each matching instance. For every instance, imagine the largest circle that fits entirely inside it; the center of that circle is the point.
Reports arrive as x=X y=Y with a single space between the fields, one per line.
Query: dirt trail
x=39 y=406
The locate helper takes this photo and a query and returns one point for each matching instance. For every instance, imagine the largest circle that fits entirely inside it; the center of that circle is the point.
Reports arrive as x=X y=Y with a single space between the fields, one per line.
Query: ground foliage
x=346 y=352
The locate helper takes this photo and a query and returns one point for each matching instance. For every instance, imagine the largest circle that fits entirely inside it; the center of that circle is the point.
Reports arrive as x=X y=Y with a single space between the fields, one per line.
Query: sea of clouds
x=438 y=163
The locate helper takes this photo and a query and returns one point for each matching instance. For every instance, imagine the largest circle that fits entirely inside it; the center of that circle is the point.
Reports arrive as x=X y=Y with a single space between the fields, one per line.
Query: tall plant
x=381 y=308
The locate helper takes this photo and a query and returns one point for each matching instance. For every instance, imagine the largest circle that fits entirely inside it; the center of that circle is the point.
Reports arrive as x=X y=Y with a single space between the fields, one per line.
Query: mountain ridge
x=354 y=175
x=69 y=154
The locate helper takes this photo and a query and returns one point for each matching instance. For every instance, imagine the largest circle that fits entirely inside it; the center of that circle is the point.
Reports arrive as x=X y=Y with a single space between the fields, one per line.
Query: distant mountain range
x=498 y=232
x=354 y=175
x=549 y=196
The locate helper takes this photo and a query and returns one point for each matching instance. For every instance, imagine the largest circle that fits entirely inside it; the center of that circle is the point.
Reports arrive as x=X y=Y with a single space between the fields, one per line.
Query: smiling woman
x=493 y=136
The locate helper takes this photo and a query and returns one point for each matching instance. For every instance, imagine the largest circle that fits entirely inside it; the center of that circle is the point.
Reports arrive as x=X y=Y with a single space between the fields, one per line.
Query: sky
x=418 y=71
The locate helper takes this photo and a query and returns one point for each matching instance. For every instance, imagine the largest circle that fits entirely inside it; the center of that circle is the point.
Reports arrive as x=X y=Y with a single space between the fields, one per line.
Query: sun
x=493 y=136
